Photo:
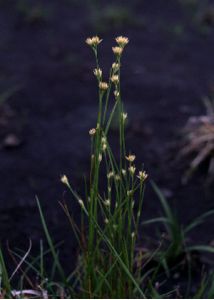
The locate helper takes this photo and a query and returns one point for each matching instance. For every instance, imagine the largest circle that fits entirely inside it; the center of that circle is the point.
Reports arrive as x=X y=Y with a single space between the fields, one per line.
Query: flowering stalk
x=112 y=222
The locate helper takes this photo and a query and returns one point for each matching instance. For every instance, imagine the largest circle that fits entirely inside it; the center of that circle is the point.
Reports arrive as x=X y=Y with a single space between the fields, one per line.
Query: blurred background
x=48 y=102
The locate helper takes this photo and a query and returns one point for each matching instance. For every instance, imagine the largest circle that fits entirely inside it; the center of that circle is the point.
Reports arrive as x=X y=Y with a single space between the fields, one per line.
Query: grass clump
x=108 y=259
x=198 y=140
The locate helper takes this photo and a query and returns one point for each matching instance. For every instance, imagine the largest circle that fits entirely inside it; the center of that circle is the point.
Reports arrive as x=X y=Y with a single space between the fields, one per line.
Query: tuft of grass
x=198 y=140
x=5 y=287
x=177 y=241
x=108 y=252
x=176 y=252
x=206 y=287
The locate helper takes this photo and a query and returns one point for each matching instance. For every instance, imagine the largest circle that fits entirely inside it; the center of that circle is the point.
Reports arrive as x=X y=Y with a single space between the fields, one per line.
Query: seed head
x=133 y=235
x=116 y=94
x=131 y=157
x=115 y=67
x=122 y=41
x=107 y=202
x=132 y=170
x=100 y=157
x=98 y=73
x=129 y=193
x=103 y=140
x=123 y=172
x=104 y=146
x=124 y=116
x=115 y=79
x=92 y=131
x=93 y=41
x=106 y=221
x=117 y=50
x=103 y=86
x=110 y=175
x=64 y=180
x=117 y=177
x=142 y=175
x=81 y=203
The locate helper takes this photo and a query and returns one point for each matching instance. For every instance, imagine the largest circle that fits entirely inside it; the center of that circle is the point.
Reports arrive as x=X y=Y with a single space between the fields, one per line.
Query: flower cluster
x=93 y=41
x=92 y=131
x=98 y=73
x=115 y=67
x=132 y=170
x=116 y=94
x=142 y=175
x=103 y=86
x=64 y=180
x=131 y=157
x=104 y=143
x=124 y=117
x=122 y=42
x=115 y=79
x=117 y=50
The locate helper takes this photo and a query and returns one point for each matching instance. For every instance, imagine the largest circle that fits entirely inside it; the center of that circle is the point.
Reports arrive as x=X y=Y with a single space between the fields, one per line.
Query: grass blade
x=50 y=242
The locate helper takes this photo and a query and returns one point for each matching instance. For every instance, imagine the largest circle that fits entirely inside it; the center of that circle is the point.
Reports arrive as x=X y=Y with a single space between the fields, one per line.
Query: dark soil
x=46 y=73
